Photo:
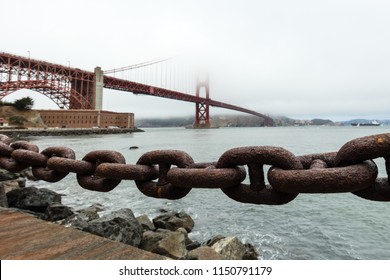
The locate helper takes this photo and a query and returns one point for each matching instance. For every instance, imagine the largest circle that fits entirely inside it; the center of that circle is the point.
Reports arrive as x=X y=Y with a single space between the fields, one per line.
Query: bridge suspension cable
x=170 y=73
x=135 y=66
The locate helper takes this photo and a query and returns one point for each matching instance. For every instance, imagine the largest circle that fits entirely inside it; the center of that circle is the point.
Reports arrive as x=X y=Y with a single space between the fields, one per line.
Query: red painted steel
x=202 y=109
x=72 y=88
x=69 y=88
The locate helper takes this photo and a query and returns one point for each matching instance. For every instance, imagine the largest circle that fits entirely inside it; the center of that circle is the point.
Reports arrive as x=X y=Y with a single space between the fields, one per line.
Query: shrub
x=25 y=103
x=18 y=120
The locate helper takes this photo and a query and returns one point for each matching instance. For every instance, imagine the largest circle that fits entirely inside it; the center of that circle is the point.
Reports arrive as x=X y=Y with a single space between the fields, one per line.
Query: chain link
x=351 y=169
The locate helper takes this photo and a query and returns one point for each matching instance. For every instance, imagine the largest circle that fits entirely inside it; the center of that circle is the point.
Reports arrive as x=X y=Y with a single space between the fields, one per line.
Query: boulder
x=27 y=173
x=187 y=240
x=250 y=253
x=174 y=220
x=120 y=226
x=3 y=197
x=21 y=182
x=90 y=213
x=32 y=198
x=164 y=242
x=75 y=221
x=204 y=253
x=146 y=223
x=57 y=211
x=10 y=185
x=230 y=248
x=150 y=239
x=214 y=240
x=193 y=245
x=6 y=175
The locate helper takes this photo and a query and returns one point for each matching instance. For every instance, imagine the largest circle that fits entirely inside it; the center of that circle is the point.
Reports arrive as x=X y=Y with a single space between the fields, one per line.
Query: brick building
x=86 y=118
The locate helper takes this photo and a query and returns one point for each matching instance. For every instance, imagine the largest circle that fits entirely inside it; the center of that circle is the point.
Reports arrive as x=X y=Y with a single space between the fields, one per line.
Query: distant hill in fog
x=244 y=121
x=384 y=122
x=219 y=120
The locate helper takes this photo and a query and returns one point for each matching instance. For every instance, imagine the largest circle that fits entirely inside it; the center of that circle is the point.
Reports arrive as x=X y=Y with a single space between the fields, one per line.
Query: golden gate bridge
x=73 y=88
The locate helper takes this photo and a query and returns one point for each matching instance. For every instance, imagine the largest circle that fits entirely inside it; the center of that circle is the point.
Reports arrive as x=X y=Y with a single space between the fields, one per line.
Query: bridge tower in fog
x=202 y=113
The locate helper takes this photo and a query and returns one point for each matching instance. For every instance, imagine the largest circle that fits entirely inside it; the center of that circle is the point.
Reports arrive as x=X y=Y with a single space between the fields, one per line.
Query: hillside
x=24 y=118
x=217 y=121
x=242 y=121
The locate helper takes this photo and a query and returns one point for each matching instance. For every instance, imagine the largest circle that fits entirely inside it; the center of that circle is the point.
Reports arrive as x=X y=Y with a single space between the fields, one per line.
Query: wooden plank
x=23 y=236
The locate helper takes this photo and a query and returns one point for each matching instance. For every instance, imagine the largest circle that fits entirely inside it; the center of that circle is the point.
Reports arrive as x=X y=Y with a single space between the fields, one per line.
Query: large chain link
x=351 y=169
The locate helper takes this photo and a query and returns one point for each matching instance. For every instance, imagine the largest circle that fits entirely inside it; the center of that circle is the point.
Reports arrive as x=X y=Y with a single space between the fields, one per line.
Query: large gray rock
x=3 y=197
x=32 y=198
x=75 y=221
x=120 y=226
x=146 y=223
x=193 y=245
x=204 y=253
x=174 y=220
x=230 y=248
x=27 y=173
x=214 y=240
x=90 y=213
x=6 y=175
x=21 y=182
x=10 y=185
x=166 y=243
x=57 y=211
x=150 y=239
x=250 y=253
x=79 y=219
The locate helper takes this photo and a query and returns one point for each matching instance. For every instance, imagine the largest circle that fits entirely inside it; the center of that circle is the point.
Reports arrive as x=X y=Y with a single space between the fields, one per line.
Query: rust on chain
x=318 y=164
x=12 y=165
x=127 y=171
x=203 y=165
x=209 y=177
x=368 y=147
x=328 y=158
x=30 y=157
x=379 y=191
x=255 y=158
x=351 y=169
x=364 y=148
x=267 y=195
x=70 y=165
x=94 y=182
x=164 y=159
x=324 y=180
x=43 y=172
x=5 y=150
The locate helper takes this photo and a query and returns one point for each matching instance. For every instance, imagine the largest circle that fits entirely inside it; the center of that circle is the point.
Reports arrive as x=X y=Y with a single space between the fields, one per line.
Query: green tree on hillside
x=25 y=103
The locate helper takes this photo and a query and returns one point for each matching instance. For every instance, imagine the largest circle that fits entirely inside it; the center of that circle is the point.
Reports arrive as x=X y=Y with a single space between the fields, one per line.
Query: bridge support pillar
x=202 y=113
x=98 y=88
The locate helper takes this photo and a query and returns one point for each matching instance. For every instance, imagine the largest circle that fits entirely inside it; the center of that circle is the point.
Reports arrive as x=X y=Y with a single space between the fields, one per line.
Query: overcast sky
x=302 y=58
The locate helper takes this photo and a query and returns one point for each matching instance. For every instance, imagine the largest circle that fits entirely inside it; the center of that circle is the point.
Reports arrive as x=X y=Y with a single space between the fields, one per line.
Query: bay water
x=313 y=226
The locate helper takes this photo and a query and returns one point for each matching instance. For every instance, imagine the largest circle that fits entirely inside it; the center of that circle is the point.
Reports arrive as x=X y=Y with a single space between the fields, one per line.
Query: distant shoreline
x=17 y=133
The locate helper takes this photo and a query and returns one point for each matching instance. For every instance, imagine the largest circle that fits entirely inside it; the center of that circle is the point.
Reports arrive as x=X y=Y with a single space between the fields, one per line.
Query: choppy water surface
x=313 y=226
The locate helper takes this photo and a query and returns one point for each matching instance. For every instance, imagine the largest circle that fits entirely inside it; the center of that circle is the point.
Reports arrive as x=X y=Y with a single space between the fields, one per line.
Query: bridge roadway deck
x=22 y=236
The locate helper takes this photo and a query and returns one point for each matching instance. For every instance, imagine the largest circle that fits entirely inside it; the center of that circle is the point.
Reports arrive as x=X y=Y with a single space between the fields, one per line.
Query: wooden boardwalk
x=23 y=236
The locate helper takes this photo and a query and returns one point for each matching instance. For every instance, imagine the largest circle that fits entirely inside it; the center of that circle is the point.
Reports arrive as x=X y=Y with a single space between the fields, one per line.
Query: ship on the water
x=373 y=123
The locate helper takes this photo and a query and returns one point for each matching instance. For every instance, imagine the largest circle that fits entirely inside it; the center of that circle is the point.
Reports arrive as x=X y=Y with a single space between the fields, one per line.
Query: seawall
x=17 y=133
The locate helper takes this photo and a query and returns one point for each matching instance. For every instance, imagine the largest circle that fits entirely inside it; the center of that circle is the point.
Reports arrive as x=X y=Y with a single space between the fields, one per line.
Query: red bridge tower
x=202 y=114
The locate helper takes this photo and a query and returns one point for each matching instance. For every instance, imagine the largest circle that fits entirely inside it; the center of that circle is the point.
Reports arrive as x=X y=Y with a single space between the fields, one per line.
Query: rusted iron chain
x=171 y=174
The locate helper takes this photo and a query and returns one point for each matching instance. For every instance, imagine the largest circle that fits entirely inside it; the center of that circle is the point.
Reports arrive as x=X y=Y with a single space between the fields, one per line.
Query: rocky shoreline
x=166 y=234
